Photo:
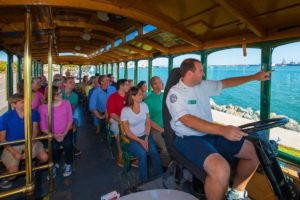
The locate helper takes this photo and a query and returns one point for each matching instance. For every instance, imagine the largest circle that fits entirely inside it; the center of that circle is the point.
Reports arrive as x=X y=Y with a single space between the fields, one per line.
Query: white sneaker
x=236 y=195
x=67 y=170
x=5 y=184
x=55 y=167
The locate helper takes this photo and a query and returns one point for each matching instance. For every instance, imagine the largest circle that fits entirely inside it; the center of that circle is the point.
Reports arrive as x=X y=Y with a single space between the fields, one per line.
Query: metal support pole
x=102 y=68
x=42 y=69
x=36 y=68
x=50 y=40
x=136 y=72
x=80 y=73
x=60 y=69
x=150 y=73
x=126 y=70
x=106 y=67
x=118 y=70
x=19 y=69
x=27 y=106
x=170 y=66
x=204 y=63
x=265 y=90
x=112 y=68
x=9 y=77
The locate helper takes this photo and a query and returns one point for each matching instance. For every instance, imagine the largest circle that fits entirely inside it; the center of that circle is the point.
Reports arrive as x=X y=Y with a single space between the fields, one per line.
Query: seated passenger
x=89 y=86
x=208 y=145
x=68 y=74
x=154 y=102
x=136 y=122
x=36 y=97
x=144 y=88
x=84 y=83
x=12 y=128
x=58 y=83
x=112 y=80
x=131 y=83
x=44 y=84
x=98 y=101
x=115 y=104
x=61 y=128
x=72 y=97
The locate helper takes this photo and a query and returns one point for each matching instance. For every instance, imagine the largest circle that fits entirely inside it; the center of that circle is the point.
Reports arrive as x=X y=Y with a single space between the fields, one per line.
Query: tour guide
x=204 y=143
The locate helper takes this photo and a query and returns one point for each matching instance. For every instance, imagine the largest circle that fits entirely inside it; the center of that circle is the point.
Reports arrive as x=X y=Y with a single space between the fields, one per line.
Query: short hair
x=141 y=83
x=110 y=75
x=130 y=81
x=68 y=78
x=16 y=98
x=97 y=74
x=132 y=92
x=188 y=65
x=55 y=89
x=121 y=82
x=152 y=80
x=101 y=78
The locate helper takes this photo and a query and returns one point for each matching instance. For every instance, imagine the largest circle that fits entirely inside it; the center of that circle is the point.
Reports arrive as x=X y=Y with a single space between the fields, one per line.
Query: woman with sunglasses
x=61 y=128
x=136 y=122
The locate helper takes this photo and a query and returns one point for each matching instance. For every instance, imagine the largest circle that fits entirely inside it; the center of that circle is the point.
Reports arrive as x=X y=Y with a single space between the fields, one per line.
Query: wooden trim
x=162 y=21
x=135 y=49
x=243 y=16
x=154 y=45
x=86 y=25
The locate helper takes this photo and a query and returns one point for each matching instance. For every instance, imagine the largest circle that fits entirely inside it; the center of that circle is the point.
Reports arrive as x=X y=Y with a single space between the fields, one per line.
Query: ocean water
x=285 y=87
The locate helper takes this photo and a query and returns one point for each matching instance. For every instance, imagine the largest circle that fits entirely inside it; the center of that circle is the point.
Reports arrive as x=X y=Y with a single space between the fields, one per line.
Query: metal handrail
x=49 y=136
x=29 y=187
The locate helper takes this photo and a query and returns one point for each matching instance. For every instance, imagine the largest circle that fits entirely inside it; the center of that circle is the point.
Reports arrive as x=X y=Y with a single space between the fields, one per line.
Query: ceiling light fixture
x=102 y=16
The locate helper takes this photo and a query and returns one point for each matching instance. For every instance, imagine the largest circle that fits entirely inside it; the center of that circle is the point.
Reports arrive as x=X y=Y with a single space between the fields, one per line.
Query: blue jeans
x=137 y=149
x=67 y=143
x=75 y=122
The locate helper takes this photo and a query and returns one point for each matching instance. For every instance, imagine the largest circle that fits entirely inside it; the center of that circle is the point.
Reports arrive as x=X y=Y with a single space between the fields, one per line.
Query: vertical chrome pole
x=27 y=106
x=50 y=39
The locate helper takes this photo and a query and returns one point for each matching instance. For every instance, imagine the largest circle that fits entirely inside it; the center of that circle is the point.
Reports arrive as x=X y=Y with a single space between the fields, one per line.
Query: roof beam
x=86 y=25
x=122 y=53
x=160 y=21
x=155 y=45
x=137 y=50
x=243 y=16
x=21 y=40
x=78 y=33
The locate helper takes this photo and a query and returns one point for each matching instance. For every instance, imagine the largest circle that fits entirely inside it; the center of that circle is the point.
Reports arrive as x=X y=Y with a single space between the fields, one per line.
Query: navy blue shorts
x=198 y=148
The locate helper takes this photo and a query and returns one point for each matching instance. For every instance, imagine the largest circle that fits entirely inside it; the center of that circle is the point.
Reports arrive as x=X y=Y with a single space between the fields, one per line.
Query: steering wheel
x=263 y=125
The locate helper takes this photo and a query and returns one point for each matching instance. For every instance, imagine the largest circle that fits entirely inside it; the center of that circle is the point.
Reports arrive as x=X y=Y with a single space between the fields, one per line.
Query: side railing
x=29 y=188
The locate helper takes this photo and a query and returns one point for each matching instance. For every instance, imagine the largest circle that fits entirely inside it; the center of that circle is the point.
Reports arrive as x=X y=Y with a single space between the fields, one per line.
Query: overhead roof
x=182 y=26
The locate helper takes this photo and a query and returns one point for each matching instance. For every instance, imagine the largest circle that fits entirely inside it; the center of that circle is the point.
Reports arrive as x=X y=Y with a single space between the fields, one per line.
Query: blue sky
x=289 y=52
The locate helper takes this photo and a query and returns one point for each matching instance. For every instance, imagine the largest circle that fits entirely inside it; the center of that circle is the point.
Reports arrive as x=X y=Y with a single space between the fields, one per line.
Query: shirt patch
x=173 y=98
x=192 y=101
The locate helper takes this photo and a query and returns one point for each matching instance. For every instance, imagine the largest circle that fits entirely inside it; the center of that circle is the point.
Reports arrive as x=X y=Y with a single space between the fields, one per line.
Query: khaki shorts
x=9 y=160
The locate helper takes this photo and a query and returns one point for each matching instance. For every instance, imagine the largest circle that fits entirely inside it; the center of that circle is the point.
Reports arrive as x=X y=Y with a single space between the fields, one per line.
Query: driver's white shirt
x=182 y=100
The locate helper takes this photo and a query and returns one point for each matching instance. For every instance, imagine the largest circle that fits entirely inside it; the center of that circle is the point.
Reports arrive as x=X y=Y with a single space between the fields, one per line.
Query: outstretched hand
x=263 y=76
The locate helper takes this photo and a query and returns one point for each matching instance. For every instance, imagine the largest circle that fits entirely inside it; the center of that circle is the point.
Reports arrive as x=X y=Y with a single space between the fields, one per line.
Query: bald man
x=154 y=102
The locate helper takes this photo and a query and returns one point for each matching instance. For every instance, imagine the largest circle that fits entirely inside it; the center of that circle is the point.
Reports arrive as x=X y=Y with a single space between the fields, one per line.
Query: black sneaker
x=4 y=184
x=77 y=152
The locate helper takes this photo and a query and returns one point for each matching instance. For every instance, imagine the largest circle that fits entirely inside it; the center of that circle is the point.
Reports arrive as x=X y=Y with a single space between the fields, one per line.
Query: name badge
x=192 y=101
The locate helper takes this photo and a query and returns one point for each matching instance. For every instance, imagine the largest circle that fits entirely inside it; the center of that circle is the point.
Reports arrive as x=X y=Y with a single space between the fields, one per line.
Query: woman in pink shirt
x=61 y=128
x=36 y=96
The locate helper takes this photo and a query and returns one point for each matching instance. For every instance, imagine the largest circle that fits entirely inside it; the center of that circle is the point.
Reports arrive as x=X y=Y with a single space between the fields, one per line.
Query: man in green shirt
x=72 y=97
x=68 y=93
x=154 y=102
